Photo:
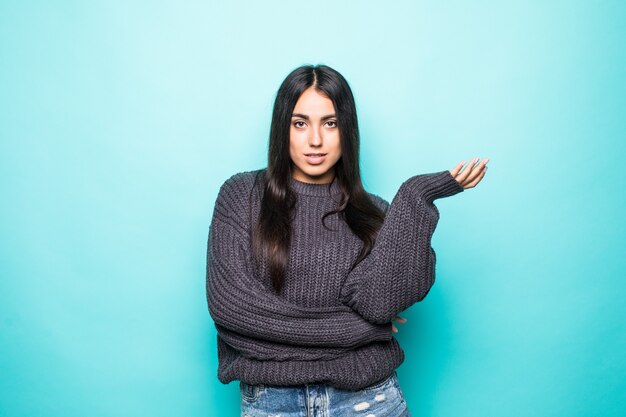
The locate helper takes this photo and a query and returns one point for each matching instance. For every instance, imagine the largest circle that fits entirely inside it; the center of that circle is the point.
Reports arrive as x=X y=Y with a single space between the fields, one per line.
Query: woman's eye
x=333 y=123
x=296 y=124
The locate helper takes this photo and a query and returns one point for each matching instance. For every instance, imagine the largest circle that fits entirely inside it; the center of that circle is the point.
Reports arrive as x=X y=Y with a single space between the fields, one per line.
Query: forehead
x=311 y=102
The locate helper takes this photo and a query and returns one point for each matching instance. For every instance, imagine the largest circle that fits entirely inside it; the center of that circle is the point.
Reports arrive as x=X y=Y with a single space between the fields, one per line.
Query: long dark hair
x=272 y=235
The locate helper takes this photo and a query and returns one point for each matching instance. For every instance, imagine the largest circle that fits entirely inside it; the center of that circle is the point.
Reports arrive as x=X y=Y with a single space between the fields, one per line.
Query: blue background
x=119 y=121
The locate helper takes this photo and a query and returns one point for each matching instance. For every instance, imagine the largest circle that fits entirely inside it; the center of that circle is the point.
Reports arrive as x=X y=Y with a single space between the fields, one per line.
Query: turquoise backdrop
x=119 y=120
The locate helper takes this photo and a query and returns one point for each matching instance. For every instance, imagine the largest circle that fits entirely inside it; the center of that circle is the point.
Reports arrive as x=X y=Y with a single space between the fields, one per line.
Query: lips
x=315 y=158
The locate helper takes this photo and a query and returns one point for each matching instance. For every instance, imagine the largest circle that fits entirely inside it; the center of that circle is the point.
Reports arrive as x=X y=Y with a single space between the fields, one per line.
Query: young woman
x=306 y=270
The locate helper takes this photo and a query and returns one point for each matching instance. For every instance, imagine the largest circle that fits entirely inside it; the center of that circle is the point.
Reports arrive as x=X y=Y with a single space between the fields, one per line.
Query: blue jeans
x=382 y=399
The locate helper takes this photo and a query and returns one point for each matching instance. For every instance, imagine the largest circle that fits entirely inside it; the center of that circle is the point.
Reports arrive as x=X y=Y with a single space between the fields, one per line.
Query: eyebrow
x=304 y=116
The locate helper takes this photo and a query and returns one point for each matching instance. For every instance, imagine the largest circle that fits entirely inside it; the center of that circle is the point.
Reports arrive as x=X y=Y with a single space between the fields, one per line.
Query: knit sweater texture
x=330 y=325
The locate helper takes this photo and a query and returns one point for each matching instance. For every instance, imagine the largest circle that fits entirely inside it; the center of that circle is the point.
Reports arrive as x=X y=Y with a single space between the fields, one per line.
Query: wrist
x=433 y=185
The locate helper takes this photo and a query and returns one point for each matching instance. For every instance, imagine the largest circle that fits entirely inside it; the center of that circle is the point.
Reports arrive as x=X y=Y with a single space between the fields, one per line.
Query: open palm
x=472 y=174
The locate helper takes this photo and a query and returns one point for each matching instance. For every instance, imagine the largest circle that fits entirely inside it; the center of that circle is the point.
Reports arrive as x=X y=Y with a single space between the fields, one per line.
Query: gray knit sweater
x=329 y=325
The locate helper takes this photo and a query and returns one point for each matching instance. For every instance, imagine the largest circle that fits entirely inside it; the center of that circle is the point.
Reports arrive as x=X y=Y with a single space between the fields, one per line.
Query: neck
x=315 y=189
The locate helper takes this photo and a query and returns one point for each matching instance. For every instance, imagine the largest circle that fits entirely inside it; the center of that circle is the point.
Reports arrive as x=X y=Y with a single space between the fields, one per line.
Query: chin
x=316 y=171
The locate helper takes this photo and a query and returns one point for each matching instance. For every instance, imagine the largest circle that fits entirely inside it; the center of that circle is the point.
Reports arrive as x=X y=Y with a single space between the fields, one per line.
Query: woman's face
x=314 y=130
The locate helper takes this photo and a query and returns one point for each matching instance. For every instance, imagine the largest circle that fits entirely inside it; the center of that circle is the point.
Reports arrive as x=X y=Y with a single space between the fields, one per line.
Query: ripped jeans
x=382 y=399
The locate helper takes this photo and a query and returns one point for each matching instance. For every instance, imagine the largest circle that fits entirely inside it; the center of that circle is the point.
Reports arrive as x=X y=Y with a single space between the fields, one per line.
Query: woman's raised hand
x=472 y=174
x=399 y=320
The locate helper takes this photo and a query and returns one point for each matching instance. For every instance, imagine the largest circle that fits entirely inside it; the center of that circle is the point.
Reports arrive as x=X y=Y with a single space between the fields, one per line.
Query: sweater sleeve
x=400 y=269
x=265 y=350
x=237 y=300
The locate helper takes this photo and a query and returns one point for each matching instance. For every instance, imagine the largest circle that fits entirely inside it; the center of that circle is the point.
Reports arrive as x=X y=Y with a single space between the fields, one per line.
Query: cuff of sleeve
x=385 y=331
x=433 y=186
x=347 y=293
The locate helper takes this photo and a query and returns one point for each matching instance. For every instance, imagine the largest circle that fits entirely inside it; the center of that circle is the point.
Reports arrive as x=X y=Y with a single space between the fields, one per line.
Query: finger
x=463 y=173
x=454 y=171
x=400 y=319
x=478 y=178
x=394 y=328
x=471 y=171
x=476 y=172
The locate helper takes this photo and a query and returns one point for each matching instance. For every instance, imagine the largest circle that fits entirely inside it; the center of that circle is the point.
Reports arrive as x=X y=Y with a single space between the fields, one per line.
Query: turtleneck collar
x=322 y=190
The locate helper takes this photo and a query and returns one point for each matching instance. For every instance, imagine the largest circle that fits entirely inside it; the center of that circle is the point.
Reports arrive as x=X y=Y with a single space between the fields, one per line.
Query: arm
x=274 y=351
x=238 y=300
x=400 y=269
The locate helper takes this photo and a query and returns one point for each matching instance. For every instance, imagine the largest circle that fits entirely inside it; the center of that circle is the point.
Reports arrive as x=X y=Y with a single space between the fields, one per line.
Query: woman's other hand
x=472 y=174
x=399 y=320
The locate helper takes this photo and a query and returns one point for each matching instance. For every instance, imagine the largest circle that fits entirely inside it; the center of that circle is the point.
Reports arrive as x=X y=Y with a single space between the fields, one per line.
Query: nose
x=316 y=138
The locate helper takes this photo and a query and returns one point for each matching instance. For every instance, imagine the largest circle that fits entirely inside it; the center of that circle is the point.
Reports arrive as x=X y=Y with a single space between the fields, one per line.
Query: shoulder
x=236 y=190
x=380 y=202
x=242 y=182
